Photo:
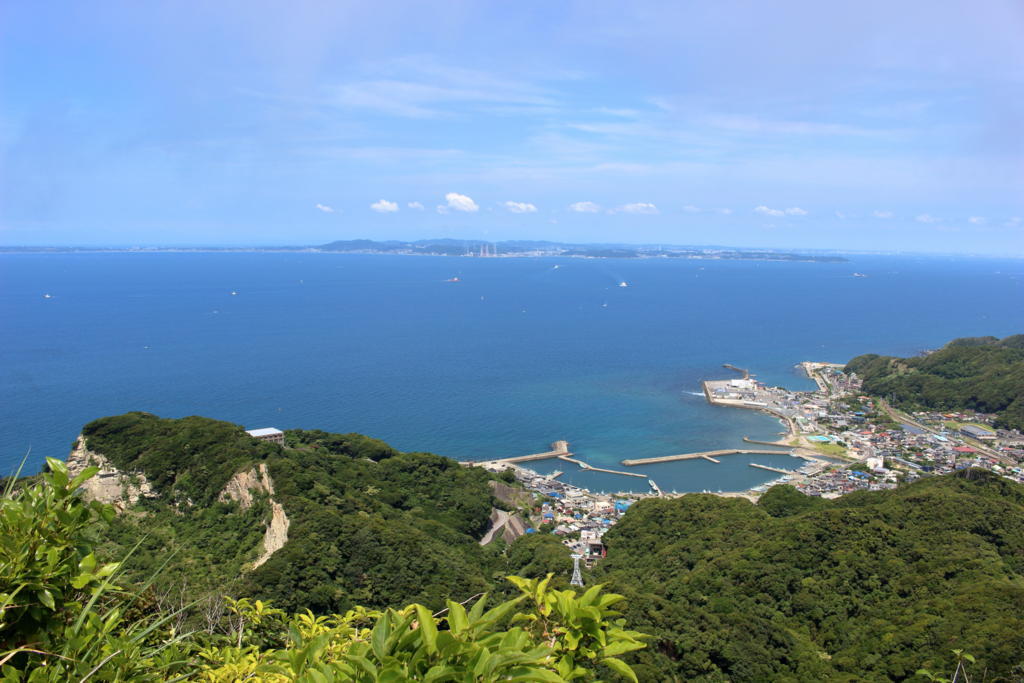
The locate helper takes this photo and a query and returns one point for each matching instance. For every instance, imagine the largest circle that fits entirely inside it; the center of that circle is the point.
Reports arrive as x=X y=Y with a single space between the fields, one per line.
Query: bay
x=516 y=354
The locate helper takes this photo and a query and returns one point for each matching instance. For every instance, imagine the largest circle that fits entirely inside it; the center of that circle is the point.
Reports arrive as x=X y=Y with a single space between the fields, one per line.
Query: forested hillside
x=368 y=525
x=870 y=586
x=982 y=374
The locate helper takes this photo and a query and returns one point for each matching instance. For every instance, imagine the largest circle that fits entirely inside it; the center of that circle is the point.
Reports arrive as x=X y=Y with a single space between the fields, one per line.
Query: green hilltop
x=982 y=374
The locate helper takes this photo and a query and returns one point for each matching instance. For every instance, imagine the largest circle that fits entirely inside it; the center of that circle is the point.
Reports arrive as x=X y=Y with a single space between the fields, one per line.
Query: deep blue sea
x=517 y=354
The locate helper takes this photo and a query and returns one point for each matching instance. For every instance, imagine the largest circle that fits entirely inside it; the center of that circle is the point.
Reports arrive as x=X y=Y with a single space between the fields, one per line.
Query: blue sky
x=846 y=125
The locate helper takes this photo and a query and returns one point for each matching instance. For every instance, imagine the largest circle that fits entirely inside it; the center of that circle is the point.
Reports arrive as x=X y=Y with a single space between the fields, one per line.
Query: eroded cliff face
x=110 y=485
x=276 y=534
x=124 y=489
x=241 y=488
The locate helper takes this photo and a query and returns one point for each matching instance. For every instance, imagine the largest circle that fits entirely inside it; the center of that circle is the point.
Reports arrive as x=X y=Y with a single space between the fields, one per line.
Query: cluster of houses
x=580 y=517
x=889 y=453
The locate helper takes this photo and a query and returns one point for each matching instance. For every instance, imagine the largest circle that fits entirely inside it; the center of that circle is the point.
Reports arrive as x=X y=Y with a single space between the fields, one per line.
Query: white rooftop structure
x=267 y=434
x=266 y=431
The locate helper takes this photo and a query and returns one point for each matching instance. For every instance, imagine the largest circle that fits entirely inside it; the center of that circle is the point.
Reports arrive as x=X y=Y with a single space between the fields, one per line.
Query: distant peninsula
x=479 y=248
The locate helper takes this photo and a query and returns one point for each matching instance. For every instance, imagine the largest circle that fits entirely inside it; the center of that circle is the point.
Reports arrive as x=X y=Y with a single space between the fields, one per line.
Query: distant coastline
x=471 y=249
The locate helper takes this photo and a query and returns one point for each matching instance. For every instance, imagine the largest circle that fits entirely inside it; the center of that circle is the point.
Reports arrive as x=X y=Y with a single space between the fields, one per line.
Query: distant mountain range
x=520 y=248
x=479 y=248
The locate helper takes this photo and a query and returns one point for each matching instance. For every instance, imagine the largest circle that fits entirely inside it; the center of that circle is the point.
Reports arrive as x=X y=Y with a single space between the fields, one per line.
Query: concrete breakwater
x=707 y=455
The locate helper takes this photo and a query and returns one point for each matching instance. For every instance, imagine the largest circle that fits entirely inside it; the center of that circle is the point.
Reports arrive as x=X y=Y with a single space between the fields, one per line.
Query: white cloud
x=442 y=209
x=460 y=202
x=520 y=207
x=639 y=207
x=840 y=215
x=585 y=207
x=926 y=218
x=976 y=220
x=724 y=212
x=415 y=205
x=325 y=208
x=384 y=206
x=882 y=214
x=690 y=208
x=778 y=213
x=1014 y=222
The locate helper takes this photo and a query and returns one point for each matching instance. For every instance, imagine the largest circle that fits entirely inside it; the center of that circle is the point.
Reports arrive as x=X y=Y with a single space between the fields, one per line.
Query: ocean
x=518 y=353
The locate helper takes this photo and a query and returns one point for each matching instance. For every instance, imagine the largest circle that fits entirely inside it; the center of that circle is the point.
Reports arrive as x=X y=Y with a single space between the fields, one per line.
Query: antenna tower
x=577 y=577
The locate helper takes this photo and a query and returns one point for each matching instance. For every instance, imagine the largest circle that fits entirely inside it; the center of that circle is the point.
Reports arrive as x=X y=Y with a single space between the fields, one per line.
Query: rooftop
x=264 y=431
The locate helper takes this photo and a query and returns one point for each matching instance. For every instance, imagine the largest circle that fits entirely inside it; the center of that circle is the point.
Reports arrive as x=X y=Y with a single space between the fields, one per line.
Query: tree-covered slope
x=367 y=524
x=983 y=374
x=871 y=586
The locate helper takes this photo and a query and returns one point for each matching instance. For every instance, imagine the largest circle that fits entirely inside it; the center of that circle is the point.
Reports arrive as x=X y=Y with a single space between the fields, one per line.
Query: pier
x=707 y=455
x=585 y=466
x=773 y=469
x=730 y=366
x=780 y=444
x=558 y=449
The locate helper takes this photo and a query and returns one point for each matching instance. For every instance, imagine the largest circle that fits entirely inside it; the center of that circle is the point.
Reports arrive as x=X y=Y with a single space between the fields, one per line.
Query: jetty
x=558 y=449
x=772 y=469
x=780 y=444
x=707 y=455
x=586 y=466
x=744 y=372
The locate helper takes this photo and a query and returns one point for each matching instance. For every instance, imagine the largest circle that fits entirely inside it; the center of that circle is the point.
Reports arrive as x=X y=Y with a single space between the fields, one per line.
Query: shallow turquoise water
x=514 y=356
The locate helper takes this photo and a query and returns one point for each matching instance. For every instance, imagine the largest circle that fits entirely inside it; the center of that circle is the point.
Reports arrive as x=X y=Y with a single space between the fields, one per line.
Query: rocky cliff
x=110 y=485
x=241 y=488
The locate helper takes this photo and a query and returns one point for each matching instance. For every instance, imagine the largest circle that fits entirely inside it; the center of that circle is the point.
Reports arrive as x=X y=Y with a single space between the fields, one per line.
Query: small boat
x=47 y=296
x=234 y=293
x=453 y=279
x=623 y=284
x=859 y=275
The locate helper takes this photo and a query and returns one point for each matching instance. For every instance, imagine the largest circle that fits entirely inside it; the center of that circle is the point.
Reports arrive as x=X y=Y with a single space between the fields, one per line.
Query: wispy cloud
x=637 y=208
x=753 y=124
x=976 y=220
x=520 y=207
x=415 y=205
x=384 y=206
x=778 y=213
x=882 y=214
x=423 y=88
x=690 y=208
x=585 y=207
x=325 y=208
x=926 y=218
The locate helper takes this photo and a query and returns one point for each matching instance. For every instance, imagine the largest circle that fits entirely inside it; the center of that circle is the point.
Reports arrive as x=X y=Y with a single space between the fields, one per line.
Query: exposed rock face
x=276 y=534
x=241 y=488
x=110 y=485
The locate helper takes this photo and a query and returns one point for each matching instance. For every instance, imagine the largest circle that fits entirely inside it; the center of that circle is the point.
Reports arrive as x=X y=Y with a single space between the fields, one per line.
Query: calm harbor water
x=517 y=354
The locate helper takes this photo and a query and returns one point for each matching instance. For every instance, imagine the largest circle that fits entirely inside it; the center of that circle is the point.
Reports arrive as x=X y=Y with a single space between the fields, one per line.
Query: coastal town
x=848 y=441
